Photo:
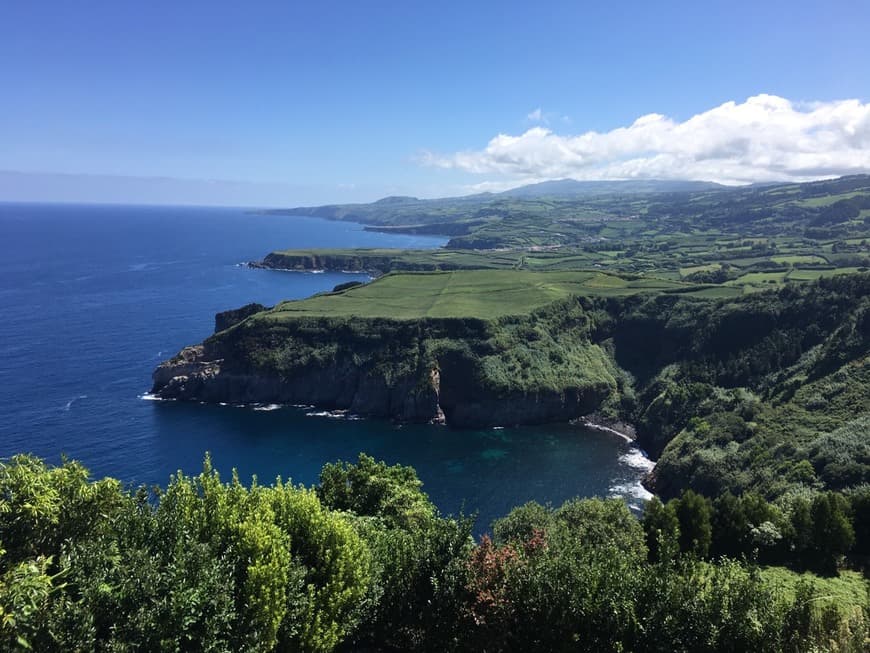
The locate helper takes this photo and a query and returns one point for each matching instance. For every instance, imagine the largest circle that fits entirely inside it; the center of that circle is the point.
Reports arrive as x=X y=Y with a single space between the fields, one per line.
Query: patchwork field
x=477 y=293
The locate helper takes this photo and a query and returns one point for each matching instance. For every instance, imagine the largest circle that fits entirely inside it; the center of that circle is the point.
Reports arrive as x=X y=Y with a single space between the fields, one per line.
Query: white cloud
x=494 y=186
x=535 y=116
x=765 y=138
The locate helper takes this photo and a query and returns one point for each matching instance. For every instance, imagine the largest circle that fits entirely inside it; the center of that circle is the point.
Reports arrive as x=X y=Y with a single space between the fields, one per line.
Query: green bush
x=208 y=565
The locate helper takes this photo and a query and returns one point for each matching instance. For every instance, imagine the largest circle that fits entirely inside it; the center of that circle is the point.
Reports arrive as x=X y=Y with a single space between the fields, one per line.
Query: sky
x=290 y=103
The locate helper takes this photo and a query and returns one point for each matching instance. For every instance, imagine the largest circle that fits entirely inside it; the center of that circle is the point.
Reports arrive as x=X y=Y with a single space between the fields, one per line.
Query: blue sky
x=292 y=103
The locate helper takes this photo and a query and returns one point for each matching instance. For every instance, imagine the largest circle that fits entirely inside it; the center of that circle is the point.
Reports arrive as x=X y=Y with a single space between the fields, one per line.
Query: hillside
x=752 y=237
x=404 y=210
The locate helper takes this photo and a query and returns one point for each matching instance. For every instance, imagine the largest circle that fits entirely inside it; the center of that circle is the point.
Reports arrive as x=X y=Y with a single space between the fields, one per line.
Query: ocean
x=92 y=298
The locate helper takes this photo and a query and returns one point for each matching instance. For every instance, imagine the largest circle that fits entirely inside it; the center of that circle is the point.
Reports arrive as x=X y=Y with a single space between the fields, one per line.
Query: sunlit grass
x=473 y=293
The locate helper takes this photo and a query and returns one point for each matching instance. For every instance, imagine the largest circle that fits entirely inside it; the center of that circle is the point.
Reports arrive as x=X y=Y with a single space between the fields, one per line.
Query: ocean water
x=92 y=298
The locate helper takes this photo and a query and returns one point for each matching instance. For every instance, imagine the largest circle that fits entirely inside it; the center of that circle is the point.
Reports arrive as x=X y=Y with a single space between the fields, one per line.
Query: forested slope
x=735 y=394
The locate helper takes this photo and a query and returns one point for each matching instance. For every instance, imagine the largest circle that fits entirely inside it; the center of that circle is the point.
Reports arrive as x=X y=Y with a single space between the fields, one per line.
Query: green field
x=384 y=260
x=727 y=242
x=827 y=200
x=476 y=293
x=788 y=220
x=812 y=275
x=798 y=258
x=756 y=278
x=684 y=272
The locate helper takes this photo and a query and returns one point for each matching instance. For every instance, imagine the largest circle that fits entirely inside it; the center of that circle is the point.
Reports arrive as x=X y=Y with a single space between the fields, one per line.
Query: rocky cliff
x=372 y=261
x=198 y=373
x=447 y=370
x=302 y=261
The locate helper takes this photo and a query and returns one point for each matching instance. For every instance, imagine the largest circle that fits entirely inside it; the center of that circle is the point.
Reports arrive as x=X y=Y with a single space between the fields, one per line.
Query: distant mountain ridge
x=567 y=212
x=574 y=188
x=401 y=211
x=556 y=188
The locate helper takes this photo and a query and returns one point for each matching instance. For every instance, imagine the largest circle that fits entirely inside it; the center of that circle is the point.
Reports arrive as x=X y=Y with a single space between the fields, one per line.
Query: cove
x=93 y=297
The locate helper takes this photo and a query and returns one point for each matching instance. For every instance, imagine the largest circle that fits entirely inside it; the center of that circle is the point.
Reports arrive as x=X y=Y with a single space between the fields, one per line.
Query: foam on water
x=637 y=459
x=147 y=396
x=635 y=494
x=334 y=414
x=69 y=404
x=323 y=413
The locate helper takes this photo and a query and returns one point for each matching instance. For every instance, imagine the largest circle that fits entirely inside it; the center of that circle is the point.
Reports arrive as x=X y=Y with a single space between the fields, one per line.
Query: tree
x=416 y=552
x=603 y=522
x=371 y=488
x=832 y=534
x=693 y=513
x=860 y=510
x=662 y=530
x=730 y=527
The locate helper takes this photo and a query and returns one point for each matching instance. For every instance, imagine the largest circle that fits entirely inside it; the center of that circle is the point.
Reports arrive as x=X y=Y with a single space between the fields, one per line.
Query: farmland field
x=477 y=293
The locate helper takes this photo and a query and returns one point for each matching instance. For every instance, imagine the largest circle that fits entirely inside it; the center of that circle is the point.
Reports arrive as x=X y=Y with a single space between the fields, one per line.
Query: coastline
x=260 y=265
x=598 y=422
x=628 y=433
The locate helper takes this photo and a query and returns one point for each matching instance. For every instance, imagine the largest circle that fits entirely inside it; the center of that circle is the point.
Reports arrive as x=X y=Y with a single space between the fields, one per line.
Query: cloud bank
x=765 y=138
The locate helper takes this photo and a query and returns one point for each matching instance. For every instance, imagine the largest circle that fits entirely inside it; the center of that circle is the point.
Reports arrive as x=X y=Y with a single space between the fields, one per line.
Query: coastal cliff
x=446 y=371
x=381 y=261
x=304 y=261
x=706 y=383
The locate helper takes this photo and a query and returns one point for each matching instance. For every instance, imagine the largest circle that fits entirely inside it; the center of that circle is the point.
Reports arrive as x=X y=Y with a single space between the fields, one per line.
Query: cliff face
x=374 y=262
x=413 y=371
x=196 y=375
x=338 y=262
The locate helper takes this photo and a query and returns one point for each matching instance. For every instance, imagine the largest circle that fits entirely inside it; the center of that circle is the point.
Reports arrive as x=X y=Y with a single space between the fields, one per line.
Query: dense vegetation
x=768 y=392
x=364 y=560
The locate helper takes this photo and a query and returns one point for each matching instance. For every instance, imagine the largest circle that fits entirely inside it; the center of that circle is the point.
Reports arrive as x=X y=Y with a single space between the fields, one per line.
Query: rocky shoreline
x=601 y=423
x=197 y=375
x=193 y=375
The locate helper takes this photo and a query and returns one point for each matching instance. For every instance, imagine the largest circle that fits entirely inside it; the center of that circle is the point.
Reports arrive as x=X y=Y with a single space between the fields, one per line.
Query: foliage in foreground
x=365 y=560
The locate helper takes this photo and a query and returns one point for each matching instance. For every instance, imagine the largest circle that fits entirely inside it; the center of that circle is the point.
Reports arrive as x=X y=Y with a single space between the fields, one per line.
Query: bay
x=92 y=298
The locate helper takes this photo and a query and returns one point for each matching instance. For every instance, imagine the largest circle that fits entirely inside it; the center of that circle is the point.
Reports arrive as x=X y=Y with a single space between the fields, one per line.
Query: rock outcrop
x=227 y=319
x=195 y=374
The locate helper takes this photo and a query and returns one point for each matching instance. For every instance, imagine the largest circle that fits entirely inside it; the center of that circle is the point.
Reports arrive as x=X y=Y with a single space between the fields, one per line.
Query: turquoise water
x=92 y=298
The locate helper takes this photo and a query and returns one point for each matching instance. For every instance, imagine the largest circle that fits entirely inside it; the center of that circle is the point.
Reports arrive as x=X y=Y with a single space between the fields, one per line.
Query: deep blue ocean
x=92 y=298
